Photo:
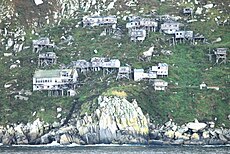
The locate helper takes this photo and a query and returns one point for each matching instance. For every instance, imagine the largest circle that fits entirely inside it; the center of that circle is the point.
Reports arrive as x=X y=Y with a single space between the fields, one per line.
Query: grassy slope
x=188 y=66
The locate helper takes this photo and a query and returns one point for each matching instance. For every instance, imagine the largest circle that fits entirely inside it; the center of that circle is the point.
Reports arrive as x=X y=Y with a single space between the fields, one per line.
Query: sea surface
x=115 y=149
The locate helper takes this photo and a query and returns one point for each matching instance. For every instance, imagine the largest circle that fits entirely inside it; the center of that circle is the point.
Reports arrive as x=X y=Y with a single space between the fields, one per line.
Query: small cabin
x=148 y=24
x=142 y=23
x=138 y=35
x=170 y=27
x=81 y=65
x=188 y=11
x=221 y=55
x=97 y=62
x=161 y=69
x=160 y=84
x=124 y=72
x=41 y=43
x=139 y=74
x=93 y=21
x=184 y=35
x=47 y=59
x=112 y=63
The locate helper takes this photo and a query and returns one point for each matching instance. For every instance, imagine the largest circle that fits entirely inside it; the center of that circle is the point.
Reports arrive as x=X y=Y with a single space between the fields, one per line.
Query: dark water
x=115 y=149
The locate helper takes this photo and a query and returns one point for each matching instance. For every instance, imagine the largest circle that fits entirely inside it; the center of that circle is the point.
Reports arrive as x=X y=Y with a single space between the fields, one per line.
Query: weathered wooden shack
x=47 y=59
x=170 y=27
x=160 y=84
x=221 y=55
x=92 y=21
x=43 y=42
x=139 y=75
x=138 y=35
x=124 y=72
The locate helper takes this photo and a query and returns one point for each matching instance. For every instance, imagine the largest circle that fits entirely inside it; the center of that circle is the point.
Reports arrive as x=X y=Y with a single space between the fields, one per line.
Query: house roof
x=50 y=73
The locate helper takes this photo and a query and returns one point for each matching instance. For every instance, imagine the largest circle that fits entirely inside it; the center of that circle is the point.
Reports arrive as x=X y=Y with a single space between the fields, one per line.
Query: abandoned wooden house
x=142 y=23
x=187 y=11
x=56 y=82
x=139 y=74
x=81 y=65
x=93 y=21
x=182 y=36
x=110 y=66
x=170 y=27
x=160 y=84
x=221 y=55
x=138 y=35
x=43 y=42
x=124 y=72
x=198 y=38
x=160 y=70
x=97 y=62
x=47 y=59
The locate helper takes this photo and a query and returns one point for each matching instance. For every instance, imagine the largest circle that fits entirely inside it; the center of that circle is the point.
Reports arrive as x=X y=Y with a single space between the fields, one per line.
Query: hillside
x=188 y=64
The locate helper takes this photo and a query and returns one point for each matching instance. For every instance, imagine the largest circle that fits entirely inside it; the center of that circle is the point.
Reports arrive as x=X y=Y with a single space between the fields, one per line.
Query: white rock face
x=199 y=11
x=38 y=2
x=208 y=6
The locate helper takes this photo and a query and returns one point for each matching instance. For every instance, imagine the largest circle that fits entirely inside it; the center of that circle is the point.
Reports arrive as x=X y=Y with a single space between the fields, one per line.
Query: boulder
x=195 y=136
x=208 y=6
x=169 y=134
x=65 y=139
x=205 y=135
x=199 y=11
x=196 y=126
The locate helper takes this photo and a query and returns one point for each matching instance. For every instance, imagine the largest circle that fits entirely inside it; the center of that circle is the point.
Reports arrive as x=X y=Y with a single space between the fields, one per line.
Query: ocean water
x=114 y=149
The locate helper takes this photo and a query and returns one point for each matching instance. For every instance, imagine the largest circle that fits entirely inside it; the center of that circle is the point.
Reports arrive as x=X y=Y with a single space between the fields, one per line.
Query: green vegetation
x=183 y=101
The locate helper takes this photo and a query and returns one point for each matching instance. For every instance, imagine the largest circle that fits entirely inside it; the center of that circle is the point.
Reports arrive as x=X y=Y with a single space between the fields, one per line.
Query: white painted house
x=161 y=69
x=160 y=84
x=57 y=79
x=139 y=74
x=92 y=21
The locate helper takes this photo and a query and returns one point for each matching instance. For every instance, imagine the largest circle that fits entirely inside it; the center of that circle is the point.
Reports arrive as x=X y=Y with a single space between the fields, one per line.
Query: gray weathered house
x=47 y=59
x=142 y=23
x=138 y=35
x=92 y=21
x=139 y=74
x=81 y=65
x=170 y=27
x=160 y=84
x=124 y=72
x=221 y=55
x=43 y=42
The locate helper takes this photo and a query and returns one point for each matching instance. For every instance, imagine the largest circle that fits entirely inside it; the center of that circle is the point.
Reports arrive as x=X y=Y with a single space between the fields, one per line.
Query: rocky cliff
x=116 y=120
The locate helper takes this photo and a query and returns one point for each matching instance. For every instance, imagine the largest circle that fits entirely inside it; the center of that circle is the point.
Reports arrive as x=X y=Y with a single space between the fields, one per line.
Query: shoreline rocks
x=115 y=121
